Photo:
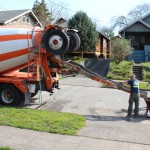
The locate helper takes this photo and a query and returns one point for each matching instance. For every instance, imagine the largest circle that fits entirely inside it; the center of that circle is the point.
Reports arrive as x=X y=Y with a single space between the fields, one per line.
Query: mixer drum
x=14 y=47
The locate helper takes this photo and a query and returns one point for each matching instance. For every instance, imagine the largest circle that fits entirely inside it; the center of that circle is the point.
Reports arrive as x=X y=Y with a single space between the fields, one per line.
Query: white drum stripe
x=14 y=62
x=6 y=46
x=11 y=31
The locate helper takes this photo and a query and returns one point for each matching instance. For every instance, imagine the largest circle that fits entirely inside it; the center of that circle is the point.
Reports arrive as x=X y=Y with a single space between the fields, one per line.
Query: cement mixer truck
x=30 y=61
x=34 y=49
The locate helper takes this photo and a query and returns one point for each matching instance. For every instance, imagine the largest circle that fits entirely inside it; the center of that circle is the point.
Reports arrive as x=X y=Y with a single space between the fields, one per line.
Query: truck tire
x=56 y=42
x=74 y=41
x=10 y=95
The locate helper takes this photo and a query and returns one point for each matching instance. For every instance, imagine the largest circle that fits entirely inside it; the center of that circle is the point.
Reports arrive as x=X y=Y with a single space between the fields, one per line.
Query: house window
x=147 y=40
x=26 y=19
x=132 y=38
x=143 y=39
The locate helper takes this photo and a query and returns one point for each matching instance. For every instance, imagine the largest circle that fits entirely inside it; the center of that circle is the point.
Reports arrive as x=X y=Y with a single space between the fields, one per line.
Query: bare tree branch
x=139 y=11
x=57 y=10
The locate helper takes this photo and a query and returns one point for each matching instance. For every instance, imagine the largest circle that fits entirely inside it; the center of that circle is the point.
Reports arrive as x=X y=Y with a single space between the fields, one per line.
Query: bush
x=120 y=71
x=146 y=71
x=146 y=76
x=120 y=49
x=78 y=59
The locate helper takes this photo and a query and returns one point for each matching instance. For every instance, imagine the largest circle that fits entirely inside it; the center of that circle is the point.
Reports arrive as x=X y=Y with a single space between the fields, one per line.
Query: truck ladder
x=82 y=70
x=33 y=68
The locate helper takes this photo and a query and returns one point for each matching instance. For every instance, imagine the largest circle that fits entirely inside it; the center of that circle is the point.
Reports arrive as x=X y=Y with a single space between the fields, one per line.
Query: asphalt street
x=105 y=110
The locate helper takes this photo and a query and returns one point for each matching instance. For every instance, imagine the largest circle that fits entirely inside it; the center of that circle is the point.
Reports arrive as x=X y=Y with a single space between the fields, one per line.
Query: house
x=138 y=32
x=19 y=18
x=102 y=49
x=62 y=22
x=103 y=46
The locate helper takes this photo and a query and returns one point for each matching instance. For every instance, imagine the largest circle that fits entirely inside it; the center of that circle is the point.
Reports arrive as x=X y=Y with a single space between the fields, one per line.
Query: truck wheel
x=10 y=95
x=74 y=41
x=56 y=42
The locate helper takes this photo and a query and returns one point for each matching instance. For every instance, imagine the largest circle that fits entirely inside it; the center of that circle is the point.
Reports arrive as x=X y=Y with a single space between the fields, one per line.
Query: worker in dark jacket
x=134 y=96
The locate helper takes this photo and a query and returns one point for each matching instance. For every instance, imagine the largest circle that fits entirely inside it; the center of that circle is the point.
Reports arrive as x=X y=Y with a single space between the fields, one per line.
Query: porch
x=140 y=41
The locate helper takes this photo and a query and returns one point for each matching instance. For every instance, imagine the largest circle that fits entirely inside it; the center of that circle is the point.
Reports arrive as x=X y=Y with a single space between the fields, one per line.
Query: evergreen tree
x=41 y=12
x=87 y=30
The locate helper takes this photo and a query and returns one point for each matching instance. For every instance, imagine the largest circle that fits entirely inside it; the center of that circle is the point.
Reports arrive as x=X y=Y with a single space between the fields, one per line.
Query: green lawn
x=144 y=86
x=41 y=120
x=146 y=71
x=5 y=148
x=120 y=71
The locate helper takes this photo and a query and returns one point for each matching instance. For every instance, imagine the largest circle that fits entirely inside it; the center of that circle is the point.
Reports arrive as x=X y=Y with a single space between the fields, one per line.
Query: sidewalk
x=22 y=139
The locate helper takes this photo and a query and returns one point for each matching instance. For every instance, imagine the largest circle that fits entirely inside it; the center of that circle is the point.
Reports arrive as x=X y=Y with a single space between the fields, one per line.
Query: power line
x=3 y=8
x=97 y=20
x=61 y=6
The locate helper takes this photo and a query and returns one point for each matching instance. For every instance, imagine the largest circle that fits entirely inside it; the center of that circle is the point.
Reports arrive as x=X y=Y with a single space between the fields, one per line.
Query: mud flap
x=97 y=65
x=27 y=96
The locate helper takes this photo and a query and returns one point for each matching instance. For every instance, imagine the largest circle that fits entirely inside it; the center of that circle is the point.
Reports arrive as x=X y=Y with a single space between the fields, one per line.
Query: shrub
x=120 y=49
x=146 y=71
x=120 y=71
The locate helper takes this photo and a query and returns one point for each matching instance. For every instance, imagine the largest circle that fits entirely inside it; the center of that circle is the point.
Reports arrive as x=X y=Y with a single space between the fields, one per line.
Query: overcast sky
x=99 y=10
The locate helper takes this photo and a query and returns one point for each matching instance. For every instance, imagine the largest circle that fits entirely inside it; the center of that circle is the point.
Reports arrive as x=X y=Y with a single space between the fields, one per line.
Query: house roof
x=138 y=20
x=100 y=34
x=62 y=22
x=10 y=15
x=144 y=23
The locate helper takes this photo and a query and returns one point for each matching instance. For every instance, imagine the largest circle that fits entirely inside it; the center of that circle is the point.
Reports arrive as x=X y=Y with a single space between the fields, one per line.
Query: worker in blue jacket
x=134 y=96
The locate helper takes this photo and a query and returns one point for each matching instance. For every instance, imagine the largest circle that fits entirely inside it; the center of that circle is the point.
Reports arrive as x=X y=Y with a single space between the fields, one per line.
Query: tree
x=136 y=13
x=120 y=21
x=108 y=32
x=41 y=12
x=139 y=11
x=87 y=30
x=58 y=10
x=120 y=49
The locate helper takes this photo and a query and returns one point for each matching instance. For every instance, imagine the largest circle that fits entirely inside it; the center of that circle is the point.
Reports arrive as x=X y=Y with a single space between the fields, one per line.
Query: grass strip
x=5 y=148
x=41 y=120
x=144 y=86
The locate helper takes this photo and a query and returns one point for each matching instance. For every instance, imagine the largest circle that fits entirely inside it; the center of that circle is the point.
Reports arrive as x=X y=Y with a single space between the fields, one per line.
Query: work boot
x=128 y=116
x=136 y=116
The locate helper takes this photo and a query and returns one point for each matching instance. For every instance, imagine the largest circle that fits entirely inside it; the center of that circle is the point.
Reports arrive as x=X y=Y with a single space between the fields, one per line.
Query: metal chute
x=98 y=65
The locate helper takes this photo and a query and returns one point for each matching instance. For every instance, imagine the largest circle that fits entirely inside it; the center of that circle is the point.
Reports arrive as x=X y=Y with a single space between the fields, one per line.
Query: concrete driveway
x=104 y=109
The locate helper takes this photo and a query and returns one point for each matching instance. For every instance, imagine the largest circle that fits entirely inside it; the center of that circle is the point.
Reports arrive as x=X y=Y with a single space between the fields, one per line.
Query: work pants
x=134 y=97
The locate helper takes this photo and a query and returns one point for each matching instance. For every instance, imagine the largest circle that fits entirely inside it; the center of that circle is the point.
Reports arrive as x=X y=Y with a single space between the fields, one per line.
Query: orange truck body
x=20 y=47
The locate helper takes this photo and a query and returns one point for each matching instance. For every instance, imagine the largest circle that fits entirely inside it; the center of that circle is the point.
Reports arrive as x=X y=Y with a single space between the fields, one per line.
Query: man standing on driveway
x=134 y=96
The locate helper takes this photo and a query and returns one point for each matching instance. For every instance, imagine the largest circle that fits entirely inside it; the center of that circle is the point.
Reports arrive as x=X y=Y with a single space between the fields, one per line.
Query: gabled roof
x=138 y=20
x=102 y=35
x=10 y=15
x=62 y=22
x=144 y=23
